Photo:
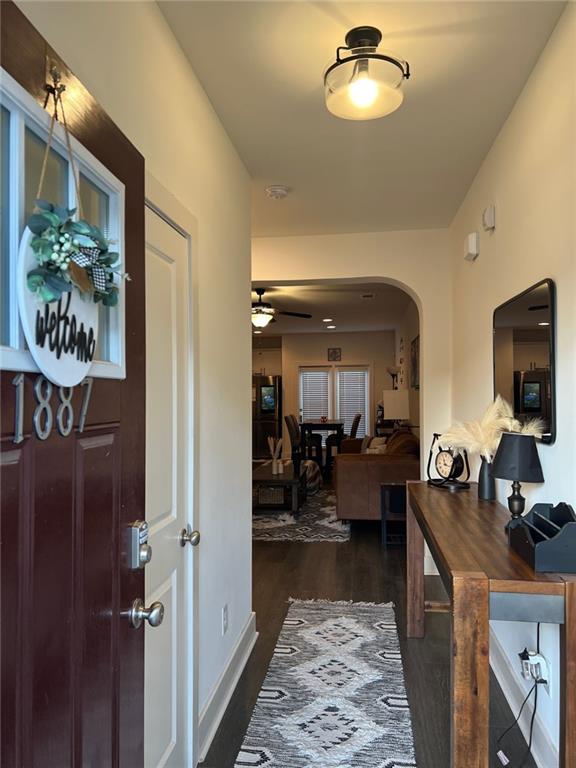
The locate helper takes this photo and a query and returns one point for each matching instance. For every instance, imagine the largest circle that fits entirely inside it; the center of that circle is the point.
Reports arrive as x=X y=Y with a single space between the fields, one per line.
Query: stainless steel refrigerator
x=266 y=413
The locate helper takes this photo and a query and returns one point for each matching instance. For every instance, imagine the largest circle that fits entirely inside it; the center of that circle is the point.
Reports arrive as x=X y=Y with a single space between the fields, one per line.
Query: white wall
x=408 y=331
x=375 y=349
x=267 y=361
x=127 y=57
x=530 y=175
x=417 y=261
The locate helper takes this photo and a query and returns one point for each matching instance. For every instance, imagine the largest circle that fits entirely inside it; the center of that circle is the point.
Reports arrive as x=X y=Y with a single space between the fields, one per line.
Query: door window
x=24 y=133
x=55 y=184
x=5 y=297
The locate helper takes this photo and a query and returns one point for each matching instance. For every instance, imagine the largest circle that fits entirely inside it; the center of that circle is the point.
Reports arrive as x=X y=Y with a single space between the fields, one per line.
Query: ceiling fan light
x=261 y=316
x=364 y=83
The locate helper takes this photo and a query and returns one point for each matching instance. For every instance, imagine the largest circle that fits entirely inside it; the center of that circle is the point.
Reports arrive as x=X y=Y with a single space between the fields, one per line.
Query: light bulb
x=363 y=91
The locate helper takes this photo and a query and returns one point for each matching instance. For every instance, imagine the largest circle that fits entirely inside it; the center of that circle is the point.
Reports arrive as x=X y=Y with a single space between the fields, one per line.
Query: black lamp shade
x=517 y=459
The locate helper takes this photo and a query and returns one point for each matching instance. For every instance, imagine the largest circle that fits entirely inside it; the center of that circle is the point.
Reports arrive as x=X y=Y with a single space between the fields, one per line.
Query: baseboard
x=544 y=750
x=213 y=711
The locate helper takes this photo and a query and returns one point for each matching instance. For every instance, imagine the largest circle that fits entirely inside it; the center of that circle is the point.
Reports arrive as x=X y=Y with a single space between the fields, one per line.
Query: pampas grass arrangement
x=482 y=436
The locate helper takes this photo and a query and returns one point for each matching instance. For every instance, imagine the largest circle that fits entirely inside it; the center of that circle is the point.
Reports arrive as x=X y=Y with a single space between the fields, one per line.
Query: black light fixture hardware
x=362 y=85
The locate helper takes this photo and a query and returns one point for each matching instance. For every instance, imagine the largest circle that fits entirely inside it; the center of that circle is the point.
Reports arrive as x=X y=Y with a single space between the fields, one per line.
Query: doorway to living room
x=336 y=371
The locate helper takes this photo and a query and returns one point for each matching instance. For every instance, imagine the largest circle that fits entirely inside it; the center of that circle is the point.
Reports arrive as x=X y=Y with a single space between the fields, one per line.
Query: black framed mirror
x=524 y=330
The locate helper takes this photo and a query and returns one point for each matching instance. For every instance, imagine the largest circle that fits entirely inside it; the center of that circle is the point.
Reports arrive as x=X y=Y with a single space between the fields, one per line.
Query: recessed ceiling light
x=543 y=323
x=277 y=191
x=327 y=320
x=255 y=332
x=330 y=327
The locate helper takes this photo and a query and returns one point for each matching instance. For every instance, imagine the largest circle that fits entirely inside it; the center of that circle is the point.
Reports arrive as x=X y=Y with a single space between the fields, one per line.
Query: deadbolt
x=189 y=537
x=153 y=615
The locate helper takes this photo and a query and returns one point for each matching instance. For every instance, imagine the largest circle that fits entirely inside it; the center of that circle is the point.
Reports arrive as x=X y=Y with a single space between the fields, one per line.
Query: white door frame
x=167 y=207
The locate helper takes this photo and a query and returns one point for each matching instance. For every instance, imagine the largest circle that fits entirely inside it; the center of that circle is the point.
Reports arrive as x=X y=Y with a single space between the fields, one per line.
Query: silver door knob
x=189 y=537
x=153 y=615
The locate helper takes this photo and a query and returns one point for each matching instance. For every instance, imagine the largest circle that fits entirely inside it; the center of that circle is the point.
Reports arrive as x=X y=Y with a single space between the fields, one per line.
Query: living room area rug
x=316 y=522
x=334 y=694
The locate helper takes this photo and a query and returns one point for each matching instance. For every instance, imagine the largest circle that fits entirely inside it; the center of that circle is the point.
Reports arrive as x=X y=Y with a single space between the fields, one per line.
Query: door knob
x=189 y=537
x=153 y=615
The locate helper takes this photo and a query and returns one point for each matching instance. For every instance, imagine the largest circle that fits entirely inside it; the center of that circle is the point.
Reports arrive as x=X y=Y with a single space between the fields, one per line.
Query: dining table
x=308 y=426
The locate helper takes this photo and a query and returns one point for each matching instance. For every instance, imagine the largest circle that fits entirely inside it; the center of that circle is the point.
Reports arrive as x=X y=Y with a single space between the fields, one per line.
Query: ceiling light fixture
x=255 y=332
x=330 y=327
x=327 y=320
x=363 y=84
x=261 y=316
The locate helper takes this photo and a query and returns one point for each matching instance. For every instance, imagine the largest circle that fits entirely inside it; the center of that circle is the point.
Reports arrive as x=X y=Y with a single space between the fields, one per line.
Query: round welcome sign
x=61 y=334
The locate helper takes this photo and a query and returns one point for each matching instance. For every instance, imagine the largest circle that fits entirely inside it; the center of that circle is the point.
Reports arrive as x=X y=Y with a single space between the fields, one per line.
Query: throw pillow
x=378 y=442
x=365 y=444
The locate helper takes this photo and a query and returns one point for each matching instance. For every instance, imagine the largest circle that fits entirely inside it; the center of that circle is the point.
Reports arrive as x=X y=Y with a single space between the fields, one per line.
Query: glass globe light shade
x=363 y=88
x=261 y=316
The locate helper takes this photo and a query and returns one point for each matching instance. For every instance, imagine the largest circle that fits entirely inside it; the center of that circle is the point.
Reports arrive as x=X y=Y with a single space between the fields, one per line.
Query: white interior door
x=169 y=656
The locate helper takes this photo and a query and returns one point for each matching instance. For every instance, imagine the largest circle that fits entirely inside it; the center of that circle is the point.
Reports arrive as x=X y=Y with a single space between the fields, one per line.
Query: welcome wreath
x=71 y=254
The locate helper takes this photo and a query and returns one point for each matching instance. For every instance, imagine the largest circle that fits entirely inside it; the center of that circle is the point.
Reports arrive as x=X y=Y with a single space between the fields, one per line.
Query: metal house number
x=43 y=417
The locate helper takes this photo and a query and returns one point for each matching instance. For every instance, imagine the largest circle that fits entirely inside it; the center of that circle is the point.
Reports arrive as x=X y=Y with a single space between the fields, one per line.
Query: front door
x=72 y=664
x=168 y=708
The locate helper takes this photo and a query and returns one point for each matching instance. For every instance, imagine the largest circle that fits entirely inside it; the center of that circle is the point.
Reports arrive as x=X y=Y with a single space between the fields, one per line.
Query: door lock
x=187 y=536
x=153 y=615
x=139 y=551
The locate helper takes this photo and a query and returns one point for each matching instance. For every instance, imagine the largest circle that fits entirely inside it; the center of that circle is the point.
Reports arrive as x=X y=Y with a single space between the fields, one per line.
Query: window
x=23 y=132
x=55 y=184
x=5 y=304
x=352 y=398
x=337 y=393
x=314 y=393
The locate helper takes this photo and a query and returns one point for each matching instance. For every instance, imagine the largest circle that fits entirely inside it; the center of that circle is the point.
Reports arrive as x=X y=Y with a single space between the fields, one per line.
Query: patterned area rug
x=334 y=694
x=316 y=522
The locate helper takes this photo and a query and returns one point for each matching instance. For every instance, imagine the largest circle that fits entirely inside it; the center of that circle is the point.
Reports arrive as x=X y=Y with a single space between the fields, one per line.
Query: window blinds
x=314 y=393
x=352 y=398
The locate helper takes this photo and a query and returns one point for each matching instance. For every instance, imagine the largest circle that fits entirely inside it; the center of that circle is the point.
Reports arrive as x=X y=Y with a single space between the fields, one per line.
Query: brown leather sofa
x=358 y=476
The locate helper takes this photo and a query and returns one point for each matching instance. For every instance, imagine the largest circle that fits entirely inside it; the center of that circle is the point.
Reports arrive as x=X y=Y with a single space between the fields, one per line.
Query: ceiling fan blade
x=294 y=314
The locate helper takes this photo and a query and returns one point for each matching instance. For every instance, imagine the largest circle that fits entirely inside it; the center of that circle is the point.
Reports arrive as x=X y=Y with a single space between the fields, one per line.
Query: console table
x=485 y=579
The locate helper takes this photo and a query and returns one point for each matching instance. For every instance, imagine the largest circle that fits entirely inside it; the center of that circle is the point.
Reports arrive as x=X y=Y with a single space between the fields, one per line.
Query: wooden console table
x=485 y=579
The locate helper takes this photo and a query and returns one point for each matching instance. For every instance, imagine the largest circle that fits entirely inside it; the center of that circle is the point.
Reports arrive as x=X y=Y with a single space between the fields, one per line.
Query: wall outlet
x=534 y=666
x=224 y=619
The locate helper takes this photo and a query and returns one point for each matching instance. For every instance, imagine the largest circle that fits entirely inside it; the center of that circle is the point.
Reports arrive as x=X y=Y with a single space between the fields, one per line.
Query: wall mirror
x=524 y=356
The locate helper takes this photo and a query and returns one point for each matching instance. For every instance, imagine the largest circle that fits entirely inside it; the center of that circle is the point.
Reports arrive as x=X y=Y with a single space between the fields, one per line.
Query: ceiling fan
x=264 y=313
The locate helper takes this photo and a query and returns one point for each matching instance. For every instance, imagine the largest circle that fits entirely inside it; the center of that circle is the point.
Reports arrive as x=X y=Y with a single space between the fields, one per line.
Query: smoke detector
x=277 y=191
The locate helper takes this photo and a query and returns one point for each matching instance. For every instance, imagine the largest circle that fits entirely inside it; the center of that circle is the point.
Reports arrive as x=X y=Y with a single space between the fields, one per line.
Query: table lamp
x=517 y=460
x=396 y=405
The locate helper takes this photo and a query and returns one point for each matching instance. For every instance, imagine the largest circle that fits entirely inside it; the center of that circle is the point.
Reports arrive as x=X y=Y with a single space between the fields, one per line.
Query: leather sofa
x=358 y=476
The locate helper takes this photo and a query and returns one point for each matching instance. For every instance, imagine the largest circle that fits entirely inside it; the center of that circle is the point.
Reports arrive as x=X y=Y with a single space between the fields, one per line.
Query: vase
x=486 y=482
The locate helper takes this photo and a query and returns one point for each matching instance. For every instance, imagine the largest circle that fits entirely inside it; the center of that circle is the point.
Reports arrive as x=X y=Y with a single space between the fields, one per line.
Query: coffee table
x=290 y=483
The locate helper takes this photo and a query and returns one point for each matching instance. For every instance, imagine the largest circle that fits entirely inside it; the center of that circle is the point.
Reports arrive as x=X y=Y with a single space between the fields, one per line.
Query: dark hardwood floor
x=359 y=570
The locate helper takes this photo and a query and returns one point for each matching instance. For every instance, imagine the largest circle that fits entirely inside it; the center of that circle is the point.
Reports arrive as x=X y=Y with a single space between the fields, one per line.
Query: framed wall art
x=334 y=354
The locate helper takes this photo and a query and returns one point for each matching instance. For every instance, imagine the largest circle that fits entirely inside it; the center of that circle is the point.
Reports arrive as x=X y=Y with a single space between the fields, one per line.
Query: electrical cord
x=507 y=731
x=529 y=749
x=533 y=690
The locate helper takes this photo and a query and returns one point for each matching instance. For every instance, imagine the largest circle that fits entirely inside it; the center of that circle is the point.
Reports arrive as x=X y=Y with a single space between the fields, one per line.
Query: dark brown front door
x=72 y=666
